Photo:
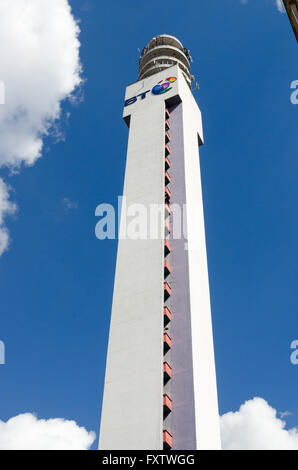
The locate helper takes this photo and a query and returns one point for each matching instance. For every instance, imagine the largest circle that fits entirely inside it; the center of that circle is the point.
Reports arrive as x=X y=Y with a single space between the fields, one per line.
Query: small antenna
x=196 y=87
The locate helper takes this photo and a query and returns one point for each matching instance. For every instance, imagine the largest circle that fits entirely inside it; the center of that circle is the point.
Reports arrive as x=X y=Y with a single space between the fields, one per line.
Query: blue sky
x=56 y=279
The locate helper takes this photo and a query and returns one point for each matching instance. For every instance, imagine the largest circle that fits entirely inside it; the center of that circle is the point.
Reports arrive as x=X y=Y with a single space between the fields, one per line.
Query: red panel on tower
x=167 y=315
x=167 y=440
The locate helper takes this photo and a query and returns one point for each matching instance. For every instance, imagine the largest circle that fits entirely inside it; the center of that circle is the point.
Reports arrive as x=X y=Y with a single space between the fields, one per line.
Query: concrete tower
x=160 y=385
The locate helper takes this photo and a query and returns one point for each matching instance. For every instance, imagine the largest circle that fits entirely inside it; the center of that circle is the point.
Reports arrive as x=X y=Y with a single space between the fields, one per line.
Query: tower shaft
x=160 y=385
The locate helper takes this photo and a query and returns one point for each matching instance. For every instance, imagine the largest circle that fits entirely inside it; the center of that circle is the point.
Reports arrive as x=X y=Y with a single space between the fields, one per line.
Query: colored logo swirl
x=163 y=87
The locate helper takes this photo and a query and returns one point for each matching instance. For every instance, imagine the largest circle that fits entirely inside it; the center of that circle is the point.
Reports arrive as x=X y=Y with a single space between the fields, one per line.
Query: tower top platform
x=162 y=52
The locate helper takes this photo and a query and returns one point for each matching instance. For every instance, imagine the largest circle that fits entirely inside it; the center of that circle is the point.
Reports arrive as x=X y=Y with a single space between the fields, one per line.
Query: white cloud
x=26 y=432
x=280 y=6
x=6 y=208
x=256 y=427
x=39 y=68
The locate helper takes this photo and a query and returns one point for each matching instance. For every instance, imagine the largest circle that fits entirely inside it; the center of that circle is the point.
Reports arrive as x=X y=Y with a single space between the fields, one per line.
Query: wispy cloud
x=68 y=204
x=86 y=6
x=283 y=414
x=280 y=6
x=278 y=3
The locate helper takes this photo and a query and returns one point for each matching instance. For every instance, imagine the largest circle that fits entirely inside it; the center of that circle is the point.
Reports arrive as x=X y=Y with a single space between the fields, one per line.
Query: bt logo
x=165 y=86
x=161 y=87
